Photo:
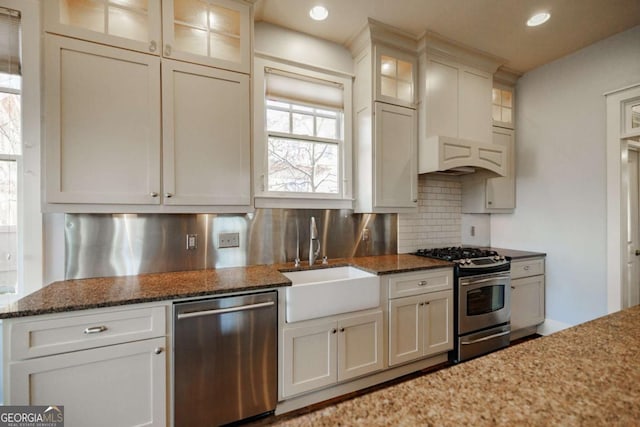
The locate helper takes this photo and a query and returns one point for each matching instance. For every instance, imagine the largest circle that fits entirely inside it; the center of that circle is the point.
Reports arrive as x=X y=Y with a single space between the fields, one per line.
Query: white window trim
x=265 y=199
x=30 y=255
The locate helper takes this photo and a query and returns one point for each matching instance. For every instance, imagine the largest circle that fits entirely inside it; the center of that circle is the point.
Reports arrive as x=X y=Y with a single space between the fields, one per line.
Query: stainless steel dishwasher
x=225 y=353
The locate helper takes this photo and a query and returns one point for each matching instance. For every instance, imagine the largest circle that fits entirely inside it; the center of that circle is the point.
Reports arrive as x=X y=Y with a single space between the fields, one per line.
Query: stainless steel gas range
x=482 y=295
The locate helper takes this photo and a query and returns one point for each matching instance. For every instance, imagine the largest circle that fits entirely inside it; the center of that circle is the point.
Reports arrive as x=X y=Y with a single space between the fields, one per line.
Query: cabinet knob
x=153 y=194
x=422 y=283
x=490 y=202
x=421 y=304
x=415 y=200
x=513 y=287
x=167 y=50
x=158 y=350
x=341 y=329
x=333 y=331
x=526 y=268
x=168 y=195
x=153 y=46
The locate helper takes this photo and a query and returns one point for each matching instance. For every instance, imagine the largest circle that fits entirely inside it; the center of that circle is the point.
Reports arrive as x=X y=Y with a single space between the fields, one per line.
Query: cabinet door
x=441 y=98
x=103 y=124
x=359 y=345
x=309 y=358
x=126 y=381
x=474 y=120
x=132 y=25
x=527 y=302
x=212 y=32
x=501 y=192
x=438 y=322
x=395 y=73
x=206 y=135
x=396 y=174
x=405 y=329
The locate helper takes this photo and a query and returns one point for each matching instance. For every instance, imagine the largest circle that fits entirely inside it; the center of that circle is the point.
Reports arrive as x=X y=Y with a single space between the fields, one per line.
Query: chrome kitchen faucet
x=313 y=237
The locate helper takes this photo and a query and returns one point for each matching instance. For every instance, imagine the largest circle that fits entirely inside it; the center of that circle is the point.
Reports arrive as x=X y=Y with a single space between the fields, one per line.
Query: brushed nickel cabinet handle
x=95 y=330
x=158 y=350
x=153 y=194
x=422 y=283
x=153 y=46
x=167 y=50
x=168 y=195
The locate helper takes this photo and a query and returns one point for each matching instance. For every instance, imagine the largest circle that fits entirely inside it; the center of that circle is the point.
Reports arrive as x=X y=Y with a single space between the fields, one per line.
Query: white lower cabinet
x=420 y=326
x=106 y=367
x=321 y=353
x=527 y=296
x=120 y=385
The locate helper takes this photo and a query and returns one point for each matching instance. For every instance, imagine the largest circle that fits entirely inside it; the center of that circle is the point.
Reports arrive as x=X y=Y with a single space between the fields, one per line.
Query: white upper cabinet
x=102 y=124
x=206 y=136
x=395 y=163
x=211 y=32
x=385 y=121
x=492 y=195
x=131 y=24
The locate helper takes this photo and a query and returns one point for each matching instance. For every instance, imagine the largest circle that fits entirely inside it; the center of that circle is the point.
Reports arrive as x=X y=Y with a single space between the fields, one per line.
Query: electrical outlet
x=228 y=240
x=366 y=235
x=192 y=242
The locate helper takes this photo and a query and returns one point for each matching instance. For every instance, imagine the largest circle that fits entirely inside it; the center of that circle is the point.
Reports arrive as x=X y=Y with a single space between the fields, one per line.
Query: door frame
x=619 y=139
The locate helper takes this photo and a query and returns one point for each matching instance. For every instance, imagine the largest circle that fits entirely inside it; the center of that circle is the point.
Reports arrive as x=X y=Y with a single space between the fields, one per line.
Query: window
x=10 y=147
x=302 y=144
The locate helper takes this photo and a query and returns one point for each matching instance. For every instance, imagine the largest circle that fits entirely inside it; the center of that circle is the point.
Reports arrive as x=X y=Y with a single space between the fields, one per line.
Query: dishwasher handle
x=224 y=310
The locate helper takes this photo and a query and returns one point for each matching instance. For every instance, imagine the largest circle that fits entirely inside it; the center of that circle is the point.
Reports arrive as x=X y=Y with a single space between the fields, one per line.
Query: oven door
x=483 y=301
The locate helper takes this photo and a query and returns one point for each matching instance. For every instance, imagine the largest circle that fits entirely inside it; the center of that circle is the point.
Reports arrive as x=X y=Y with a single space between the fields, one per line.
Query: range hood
x=456 y=156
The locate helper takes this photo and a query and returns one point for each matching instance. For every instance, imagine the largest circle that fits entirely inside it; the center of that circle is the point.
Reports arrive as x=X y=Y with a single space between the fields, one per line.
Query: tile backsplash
x=437 y=222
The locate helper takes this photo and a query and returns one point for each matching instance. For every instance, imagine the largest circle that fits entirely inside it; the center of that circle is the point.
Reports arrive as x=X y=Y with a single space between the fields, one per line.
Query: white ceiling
x=493 y=26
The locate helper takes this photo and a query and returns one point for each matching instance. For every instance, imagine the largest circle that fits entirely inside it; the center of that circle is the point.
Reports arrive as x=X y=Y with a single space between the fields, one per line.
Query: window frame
x=270 y=199
x=30 y=226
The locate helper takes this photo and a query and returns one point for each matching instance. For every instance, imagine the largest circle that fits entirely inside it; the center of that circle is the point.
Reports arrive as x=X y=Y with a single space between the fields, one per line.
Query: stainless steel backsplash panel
x=126 y=244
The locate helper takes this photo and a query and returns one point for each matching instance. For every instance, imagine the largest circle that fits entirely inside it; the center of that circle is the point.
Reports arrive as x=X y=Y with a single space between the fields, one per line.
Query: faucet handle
x=325 y=261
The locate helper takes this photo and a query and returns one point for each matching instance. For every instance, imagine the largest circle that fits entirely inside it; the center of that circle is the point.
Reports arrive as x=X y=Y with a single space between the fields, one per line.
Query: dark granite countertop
x=81 y=294
x=588 y=375
x=516 y=255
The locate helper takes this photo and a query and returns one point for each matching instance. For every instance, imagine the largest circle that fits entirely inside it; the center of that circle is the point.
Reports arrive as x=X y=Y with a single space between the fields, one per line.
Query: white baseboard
x=550 y=326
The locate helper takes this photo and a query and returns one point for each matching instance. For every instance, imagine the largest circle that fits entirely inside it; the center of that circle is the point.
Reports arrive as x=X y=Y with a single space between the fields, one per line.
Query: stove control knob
x=497 y=257
x=468 y=261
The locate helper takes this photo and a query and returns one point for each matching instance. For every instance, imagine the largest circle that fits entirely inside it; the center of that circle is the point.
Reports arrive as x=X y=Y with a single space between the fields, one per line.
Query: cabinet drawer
x=402 y=285
x=526 y=268
x=61 y=334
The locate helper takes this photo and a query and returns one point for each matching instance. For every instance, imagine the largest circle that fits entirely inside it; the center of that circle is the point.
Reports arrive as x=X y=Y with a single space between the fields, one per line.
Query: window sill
x=302 y=203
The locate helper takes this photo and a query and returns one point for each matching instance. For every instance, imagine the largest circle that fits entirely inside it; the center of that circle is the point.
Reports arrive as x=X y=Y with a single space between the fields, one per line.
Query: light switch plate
x=192 y=242
x=228 y=240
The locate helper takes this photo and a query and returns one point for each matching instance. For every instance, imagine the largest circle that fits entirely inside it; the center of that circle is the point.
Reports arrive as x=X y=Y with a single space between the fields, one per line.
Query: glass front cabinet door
x=395 y=76
x=207 y=32
x=130 y=24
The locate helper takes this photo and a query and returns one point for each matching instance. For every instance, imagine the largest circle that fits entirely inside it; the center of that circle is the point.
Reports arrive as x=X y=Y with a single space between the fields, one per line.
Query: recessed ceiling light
x=538 y=19
x=319 y=13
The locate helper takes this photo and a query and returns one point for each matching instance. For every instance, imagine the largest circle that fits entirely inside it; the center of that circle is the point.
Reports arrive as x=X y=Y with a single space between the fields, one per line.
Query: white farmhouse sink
x=329 y=291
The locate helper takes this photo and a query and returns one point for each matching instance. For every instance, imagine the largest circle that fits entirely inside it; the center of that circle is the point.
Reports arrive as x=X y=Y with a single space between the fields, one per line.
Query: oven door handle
x=498 y=280
x=490 y=337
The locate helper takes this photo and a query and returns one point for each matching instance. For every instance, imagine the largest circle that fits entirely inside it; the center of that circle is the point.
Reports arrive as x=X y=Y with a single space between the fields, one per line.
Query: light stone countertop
x=588 y=375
